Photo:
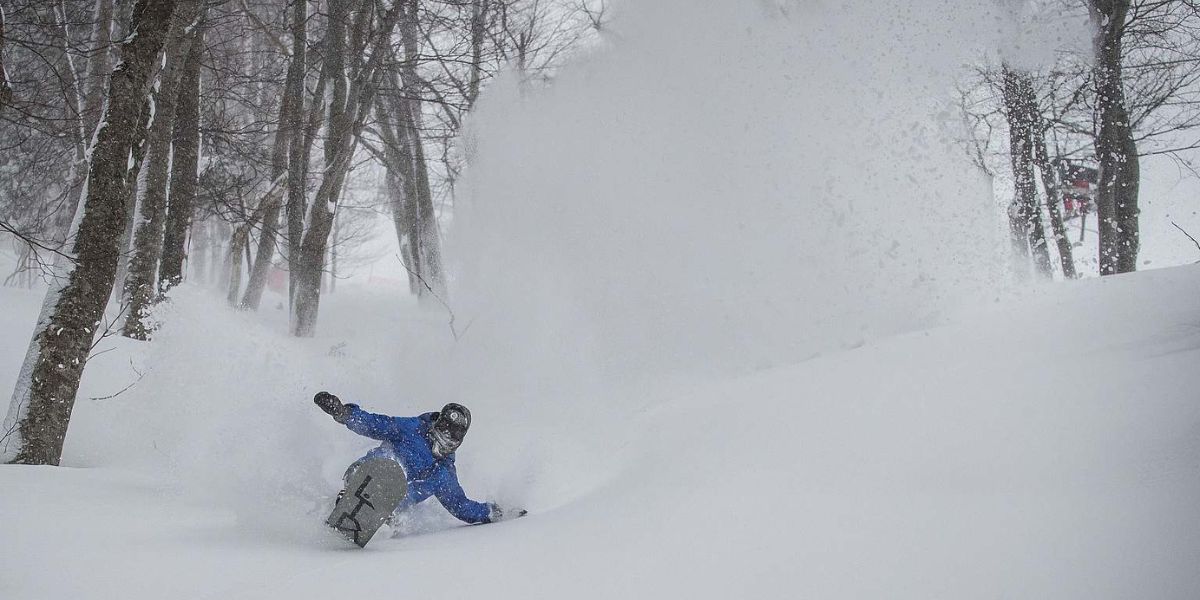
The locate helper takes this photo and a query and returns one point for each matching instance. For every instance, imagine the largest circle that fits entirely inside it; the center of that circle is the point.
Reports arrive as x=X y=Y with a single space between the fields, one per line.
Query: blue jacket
x=404 y=440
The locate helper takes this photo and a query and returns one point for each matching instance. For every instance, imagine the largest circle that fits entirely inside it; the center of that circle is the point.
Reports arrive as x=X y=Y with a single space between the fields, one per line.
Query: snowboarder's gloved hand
x=503 y=514
x=332 y=405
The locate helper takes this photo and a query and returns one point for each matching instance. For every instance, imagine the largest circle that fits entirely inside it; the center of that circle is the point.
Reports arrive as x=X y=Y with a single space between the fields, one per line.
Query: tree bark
x=424 y=238
x=1116 y=150
x=99 y=66
x=90 y=105
x=301 y=144
x=239 y=241
x=1041 y=159
x=1018 y=113
x=479 y=15
x=45 y=393
x=152 y=217
x=74 y=96
x=333 y=255
x=197 y=252
x=408 y=173
x=132 y=182
x=185 y=166
x=298 y=162
x=291 y=123
x=1019 y=242
x=353 y=94
x=5 y=86
x=237 y=245
x=1053 y=200
x=398 y=171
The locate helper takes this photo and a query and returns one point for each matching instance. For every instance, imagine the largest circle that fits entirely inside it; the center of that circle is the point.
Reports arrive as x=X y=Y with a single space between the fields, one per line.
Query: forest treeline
x=146 y=142
x=1070 y=136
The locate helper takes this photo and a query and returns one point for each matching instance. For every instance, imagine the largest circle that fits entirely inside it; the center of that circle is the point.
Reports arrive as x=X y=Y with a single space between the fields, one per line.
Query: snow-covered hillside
x=707 y=296
x=1046 y=446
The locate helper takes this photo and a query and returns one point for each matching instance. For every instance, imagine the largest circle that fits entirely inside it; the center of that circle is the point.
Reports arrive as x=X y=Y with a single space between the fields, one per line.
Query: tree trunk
x=1116 y=150
x=219 y=258
x=298 y=189
x=5 y=86
x=1053 y=200
x=1018 y=239
x=1021 y=154
x=333 y=255
x=185 y=165
x=237 y=245
x=399 y=221
x=199 y=237
x=310 y=261
x=397 y=162
x=424 y=239
x=301 y=139
x=479 y=14
x=74 y=105
x=148 y=236
x=267 y=240
x=291 y=122
x=132 y=183
x=99 y=66
x=90 y=104
x=353 y=94
x=45 y=392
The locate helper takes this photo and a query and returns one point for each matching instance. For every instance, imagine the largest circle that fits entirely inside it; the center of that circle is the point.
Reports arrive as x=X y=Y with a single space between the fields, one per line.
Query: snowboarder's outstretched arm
x=450 y=493
x=374 y=426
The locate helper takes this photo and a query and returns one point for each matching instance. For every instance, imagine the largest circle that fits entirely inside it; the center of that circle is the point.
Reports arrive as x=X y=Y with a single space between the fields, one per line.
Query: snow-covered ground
x=1046 y=446
x=708 y=315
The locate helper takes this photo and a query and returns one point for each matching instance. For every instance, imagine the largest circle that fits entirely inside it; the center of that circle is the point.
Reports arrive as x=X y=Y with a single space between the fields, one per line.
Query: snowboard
x=373 y=491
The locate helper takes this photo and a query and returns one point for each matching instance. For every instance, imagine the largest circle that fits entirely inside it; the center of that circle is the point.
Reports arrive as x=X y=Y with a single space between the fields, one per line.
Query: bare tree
x=185 y=163
x=291 y=109
x=44 y=396
x=142 y=279
x=1018 y=100
x=356 y=46
x=5 y=86
x=301 y=140
x=1116 y=150
x=1041 y=158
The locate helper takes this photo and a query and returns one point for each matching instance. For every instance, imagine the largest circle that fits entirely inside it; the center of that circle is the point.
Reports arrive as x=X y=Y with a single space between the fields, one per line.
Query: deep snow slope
x=1046 y=446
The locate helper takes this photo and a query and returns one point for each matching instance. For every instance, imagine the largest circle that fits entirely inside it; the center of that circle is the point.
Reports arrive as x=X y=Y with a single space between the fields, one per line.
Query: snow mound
x=1018 y=451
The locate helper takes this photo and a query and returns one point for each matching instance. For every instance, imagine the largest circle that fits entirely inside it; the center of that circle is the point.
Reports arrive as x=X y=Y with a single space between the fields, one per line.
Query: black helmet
x=449 y=428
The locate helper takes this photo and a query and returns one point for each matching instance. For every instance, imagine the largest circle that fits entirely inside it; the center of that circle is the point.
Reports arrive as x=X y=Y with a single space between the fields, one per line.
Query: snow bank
x=721 y=188
x=223 y=406
x=1021 y=451
x=725 y=187
x=220 y=408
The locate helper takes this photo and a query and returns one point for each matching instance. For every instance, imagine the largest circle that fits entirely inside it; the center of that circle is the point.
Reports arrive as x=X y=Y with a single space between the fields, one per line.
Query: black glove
x=333 y=406
x=501 y=514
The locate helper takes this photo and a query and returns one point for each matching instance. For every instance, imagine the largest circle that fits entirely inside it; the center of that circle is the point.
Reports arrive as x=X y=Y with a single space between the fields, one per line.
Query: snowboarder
x=424 y=446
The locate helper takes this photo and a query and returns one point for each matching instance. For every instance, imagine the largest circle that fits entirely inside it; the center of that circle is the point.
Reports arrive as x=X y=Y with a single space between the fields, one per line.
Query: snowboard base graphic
x=373 y=491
